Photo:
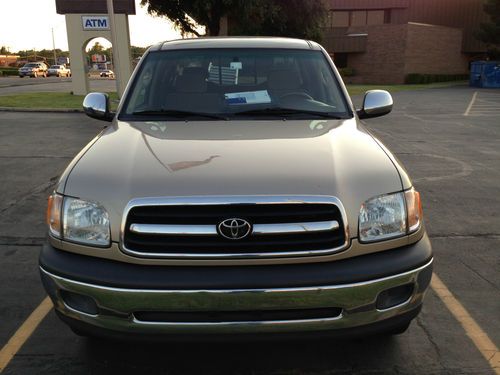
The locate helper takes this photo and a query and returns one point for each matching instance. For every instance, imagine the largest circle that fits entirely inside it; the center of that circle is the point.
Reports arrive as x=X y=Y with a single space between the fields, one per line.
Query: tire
x=21 y=76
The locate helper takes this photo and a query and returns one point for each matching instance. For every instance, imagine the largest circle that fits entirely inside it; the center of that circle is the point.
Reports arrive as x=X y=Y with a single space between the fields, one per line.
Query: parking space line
x=480 y=339
x=24 y=332
x=466 y=113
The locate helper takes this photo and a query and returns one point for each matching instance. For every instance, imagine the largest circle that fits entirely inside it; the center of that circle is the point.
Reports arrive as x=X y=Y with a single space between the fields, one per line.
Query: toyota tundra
x=236 y=191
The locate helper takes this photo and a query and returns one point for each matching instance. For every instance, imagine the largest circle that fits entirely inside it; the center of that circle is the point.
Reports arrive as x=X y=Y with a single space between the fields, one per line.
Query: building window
x=348 y=18
x=339 y=19
x=375 y=17
x=358 y=18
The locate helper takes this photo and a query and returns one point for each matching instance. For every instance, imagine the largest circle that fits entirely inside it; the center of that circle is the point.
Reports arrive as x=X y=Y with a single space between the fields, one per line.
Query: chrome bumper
x=357 y=301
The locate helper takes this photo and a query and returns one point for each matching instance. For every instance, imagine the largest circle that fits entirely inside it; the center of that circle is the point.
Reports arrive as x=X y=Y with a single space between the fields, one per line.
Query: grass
x=361 y=89
x=62 y=100
x=48 y=100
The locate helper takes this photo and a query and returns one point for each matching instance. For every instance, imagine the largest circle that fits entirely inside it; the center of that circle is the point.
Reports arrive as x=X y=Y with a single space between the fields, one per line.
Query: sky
x=27 y=24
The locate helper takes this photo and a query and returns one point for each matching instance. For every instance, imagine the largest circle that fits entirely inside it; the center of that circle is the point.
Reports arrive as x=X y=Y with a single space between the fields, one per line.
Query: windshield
x=55 y=67
x=235 y=83
x=30 y=66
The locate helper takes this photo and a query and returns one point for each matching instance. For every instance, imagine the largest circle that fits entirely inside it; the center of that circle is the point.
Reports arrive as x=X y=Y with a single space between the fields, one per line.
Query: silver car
x=236 y=192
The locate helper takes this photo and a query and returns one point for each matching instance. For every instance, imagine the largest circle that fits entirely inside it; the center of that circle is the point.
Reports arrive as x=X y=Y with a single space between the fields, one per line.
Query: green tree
x=186 y=14
x=289 y=18
x=4 y=50
x=489 y=32
x=294 y=18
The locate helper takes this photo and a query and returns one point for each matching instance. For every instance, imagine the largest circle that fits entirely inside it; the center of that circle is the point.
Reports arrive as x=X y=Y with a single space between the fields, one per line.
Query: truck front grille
x=191 y=227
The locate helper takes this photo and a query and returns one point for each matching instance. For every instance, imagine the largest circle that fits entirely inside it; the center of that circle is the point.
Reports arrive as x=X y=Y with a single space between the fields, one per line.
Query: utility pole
x=116 y=57
x=54 y=47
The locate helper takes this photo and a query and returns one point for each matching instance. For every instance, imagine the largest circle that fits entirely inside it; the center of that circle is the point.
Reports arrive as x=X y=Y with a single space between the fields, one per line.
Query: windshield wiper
x=278 y=111
x=177 y=113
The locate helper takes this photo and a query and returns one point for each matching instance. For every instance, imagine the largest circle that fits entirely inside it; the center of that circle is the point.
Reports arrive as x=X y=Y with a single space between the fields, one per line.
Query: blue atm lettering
x=96 y=22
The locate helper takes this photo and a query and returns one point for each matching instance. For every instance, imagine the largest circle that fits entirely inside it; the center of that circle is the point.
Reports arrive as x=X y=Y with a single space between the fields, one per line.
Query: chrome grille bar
x=211 y=230
x=287 y=228
x=174 y=229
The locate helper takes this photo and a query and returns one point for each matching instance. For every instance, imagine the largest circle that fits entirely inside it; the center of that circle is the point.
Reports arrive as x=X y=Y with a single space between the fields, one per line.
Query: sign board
x=95 y=22
x=94 y=6
x=61 y=60
x=98 y=58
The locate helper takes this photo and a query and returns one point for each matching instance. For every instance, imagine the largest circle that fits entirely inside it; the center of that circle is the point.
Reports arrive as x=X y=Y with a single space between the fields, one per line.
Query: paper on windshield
x=248 y=97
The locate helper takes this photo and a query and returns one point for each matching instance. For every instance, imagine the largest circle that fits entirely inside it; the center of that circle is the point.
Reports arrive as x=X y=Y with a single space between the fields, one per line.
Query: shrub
x=346 y=72
x=417 y=78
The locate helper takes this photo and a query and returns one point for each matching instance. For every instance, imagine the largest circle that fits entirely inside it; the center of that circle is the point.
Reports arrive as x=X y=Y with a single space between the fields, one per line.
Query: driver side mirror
x=96 y=105
x=375 y=103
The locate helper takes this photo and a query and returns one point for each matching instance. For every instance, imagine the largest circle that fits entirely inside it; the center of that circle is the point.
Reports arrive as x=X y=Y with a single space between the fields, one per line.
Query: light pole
x=116 y=57
x=54 y=47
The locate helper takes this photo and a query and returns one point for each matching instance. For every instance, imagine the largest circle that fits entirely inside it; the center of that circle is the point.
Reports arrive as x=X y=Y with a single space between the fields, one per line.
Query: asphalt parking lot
x=448 y=139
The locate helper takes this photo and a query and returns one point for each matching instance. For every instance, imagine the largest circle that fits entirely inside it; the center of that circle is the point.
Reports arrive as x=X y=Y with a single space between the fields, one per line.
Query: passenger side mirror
x=375 y=103
x=96 y=105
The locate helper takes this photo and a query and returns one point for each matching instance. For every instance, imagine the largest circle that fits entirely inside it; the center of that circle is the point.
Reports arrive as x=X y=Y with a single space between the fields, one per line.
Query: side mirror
x=376 y=103
x=96 y=105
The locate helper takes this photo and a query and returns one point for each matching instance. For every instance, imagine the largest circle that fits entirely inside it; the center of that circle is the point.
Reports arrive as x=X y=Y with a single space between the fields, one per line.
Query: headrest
x=193 y=79
x=283 y=79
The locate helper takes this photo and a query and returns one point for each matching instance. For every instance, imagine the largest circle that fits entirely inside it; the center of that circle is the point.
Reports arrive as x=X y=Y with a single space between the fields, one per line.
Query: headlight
x=390 y=216
x=80 y=221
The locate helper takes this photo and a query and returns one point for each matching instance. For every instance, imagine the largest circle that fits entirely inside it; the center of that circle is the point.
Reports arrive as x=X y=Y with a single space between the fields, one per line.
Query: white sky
x=27 y=24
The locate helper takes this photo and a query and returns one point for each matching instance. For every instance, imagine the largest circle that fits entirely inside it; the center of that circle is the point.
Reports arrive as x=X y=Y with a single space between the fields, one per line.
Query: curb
x=41 y=110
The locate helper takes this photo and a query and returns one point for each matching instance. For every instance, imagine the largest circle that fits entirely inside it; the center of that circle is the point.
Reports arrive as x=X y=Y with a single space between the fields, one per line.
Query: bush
x=346 y=72
x=417 y=78
x=9 y=71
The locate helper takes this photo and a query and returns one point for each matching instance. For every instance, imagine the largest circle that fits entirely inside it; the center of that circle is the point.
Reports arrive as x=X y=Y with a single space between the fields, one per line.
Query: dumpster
x=485 y=74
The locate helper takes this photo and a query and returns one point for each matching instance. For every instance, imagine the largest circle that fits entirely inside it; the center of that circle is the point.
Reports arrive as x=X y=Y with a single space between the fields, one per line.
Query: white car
x=59 y=71
x=107 y=73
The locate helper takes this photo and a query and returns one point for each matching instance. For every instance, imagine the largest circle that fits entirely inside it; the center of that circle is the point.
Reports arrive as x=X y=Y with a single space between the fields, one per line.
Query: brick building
x=385 y=40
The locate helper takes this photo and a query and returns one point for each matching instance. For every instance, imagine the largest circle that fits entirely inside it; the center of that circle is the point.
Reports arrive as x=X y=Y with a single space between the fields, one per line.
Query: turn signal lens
x=54 y=214
x=415 y=213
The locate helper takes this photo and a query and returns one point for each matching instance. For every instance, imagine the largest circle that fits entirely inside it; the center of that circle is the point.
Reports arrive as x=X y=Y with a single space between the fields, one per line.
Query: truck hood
x=299 y=157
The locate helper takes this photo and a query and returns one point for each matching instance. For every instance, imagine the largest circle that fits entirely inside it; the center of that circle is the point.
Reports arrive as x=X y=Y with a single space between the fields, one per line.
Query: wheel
x=302 y=95
x=58 y=75
x=21 y=76
x=79 y=332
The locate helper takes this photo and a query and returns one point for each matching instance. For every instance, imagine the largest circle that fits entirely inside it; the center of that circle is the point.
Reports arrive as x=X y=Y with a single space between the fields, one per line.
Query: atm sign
x=95 y=22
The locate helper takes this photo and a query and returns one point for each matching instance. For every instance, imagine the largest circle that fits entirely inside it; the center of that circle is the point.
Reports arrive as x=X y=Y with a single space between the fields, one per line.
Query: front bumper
x=353 y=303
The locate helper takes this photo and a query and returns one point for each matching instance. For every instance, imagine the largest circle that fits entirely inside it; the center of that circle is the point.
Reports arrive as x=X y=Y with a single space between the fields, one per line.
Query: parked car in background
x=36 y=69
x=59 y=71
x=107 y=73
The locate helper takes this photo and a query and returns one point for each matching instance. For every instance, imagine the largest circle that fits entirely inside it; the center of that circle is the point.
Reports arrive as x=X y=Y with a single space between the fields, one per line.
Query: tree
x=294 y=18
x=185 y=14
x=489 y=32
x=290 y=18
x=4 y=50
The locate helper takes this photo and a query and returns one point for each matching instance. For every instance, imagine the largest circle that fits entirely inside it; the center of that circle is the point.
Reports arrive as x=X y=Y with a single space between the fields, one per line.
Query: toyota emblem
x=234 y=229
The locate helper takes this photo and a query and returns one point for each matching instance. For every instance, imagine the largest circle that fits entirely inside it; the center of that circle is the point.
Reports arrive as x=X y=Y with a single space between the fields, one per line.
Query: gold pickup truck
x=236 y=193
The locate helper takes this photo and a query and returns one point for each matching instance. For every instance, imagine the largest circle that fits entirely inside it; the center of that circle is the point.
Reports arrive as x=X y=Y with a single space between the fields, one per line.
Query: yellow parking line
x=24 y=332
x=480 y=339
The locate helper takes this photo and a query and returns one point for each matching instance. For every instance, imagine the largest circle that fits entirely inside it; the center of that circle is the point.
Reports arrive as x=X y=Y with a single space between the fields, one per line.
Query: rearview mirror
x=375 y=103
x=96 y=105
